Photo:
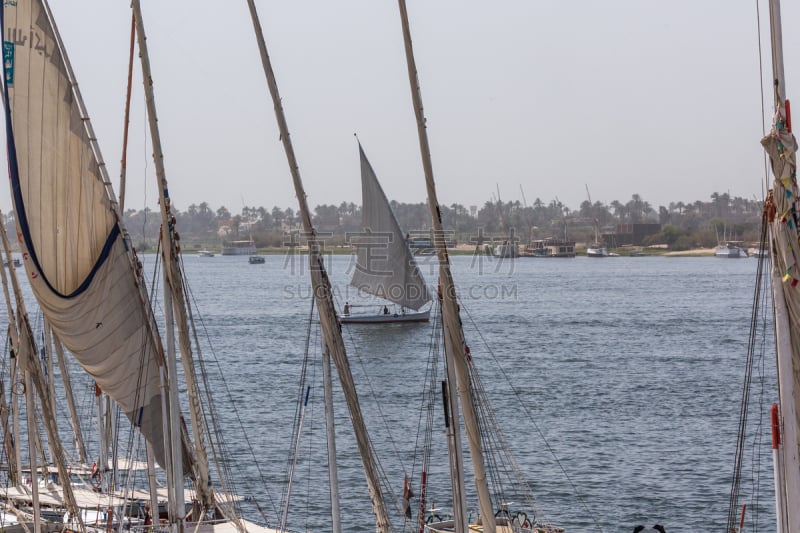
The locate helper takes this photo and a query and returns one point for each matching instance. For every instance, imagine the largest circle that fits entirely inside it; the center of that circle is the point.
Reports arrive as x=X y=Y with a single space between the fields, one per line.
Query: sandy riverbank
x=697 y=252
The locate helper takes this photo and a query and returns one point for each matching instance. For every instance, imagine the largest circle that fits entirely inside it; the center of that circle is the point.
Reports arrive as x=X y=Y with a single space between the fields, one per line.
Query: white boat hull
x=421 y=316
x=730 y=251
x=597 y=252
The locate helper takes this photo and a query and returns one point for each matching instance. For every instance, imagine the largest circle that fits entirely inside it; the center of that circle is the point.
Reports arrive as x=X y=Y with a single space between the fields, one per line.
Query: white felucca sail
x=784 y=214
x=79 y=261
x=385 y=265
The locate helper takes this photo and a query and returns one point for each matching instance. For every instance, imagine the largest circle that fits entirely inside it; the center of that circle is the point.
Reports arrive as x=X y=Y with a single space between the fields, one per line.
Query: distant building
x=473 y=211
x=631 y=234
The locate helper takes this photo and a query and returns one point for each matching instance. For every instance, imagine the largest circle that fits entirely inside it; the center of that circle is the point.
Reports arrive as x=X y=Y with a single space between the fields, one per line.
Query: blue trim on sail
x=19 y=205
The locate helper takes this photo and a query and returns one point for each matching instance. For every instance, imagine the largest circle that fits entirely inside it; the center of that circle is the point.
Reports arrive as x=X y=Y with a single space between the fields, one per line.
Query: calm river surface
x=622 y=408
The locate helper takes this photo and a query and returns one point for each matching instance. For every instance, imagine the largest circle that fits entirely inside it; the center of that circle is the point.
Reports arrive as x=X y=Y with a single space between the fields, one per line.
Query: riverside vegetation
x=684 y=225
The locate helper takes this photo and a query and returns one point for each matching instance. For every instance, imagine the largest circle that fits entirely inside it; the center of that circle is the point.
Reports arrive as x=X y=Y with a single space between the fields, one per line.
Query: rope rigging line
x=761 y=380
x=227 y=392
x=312 y=434
x=303 y=382
x=208 y=408
x=503 y=460
x=491 y=437
x=524 y=408
x=392 y=495
x=428 y=398
x=733 y=502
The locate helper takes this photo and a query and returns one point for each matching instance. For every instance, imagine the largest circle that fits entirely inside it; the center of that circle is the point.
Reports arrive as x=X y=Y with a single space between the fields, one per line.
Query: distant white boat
x=730 y=250
x=596 y=250
x=384 y=316
x=550 y=247
x=506 y=250
x=205 y=253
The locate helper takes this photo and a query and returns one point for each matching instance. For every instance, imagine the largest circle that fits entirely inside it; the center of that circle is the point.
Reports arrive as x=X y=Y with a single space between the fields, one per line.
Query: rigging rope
x=227 y=392
x=430 y=389
x=524 y=408
x=733 y=502
x=300 y=395
x=386 y=483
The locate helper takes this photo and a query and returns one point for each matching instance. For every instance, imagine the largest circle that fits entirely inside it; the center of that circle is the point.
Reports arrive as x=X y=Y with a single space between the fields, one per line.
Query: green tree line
x=684 y=224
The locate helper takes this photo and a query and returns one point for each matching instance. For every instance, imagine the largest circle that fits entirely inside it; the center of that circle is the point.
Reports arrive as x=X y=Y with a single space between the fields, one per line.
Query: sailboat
x=458 y=389
x=780 y=234
x=729 y=249
x=597 y=249
x=88 y=281
x=385 y=264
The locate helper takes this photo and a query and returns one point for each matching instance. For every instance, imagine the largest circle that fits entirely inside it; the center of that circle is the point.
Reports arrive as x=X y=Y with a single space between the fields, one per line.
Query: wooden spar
x=176 y=303
x=172 y=435
x=450 y=311
x=124 y=159
x=80 y=447
x=330 y=432
x=30 y=409
x=14 y=467
x=323 y=295
x=22 y=338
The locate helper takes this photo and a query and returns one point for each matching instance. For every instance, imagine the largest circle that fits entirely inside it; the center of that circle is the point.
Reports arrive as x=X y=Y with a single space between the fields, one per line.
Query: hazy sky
x=659 y=98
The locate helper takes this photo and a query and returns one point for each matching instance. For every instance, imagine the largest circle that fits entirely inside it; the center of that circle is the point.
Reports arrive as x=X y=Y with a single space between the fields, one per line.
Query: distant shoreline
x=470 y=250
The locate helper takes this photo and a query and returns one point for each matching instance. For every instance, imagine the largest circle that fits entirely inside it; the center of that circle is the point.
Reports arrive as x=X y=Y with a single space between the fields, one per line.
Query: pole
x=333 y=472
x=450 y=310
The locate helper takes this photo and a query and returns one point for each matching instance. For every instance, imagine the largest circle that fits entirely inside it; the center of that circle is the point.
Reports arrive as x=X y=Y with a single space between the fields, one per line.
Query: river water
x=617 y=383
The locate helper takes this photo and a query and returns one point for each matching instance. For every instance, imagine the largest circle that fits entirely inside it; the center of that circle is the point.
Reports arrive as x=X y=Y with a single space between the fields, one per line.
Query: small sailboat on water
x=598 y=248
x=385 y=264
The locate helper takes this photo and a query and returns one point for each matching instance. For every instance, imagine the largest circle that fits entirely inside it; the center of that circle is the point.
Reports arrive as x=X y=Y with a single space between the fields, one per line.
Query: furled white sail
x=781 y=146
x=80 y=265
x=385 y=265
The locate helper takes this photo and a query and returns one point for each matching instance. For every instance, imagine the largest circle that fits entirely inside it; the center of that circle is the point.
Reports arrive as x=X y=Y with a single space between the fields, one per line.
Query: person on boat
x=385 y=310
x=346 y=310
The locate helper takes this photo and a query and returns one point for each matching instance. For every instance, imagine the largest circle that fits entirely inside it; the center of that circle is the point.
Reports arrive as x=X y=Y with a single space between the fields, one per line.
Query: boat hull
x=391 y=318
x=729 y=253
x=597 y=252
x=730 y=250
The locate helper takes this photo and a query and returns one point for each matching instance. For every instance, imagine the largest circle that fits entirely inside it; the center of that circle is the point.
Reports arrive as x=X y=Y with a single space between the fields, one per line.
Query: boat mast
x=450 y=311
x=174 y=441
x=30 y=410
x=80 y=447
x=323 y=296
x=333 y=472
x=788 y=359
x=12 y=447
x=23 y=341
